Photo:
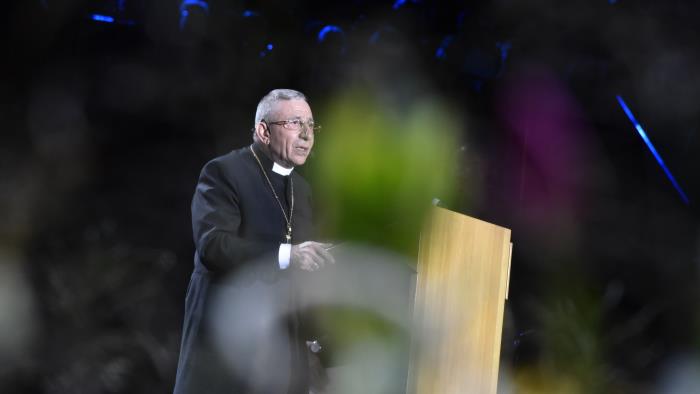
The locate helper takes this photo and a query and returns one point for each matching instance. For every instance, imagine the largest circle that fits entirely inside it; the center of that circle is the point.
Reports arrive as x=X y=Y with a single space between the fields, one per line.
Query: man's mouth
x=302 y=149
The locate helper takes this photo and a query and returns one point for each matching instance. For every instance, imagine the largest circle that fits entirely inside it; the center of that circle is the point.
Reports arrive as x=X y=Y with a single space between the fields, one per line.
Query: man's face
x=288 y=147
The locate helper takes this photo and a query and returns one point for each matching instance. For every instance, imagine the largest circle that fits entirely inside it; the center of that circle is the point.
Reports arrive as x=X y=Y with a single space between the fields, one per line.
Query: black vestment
x=238 y=224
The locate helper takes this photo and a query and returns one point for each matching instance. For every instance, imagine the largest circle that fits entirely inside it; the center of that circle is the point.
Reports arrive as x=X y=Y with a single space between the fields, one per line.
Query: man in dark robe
x=251 y=218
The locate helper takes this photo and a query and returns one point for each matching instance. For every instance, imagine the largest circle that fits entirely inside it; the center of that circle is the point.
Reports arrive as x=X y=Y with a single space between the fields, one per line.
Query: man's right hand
x=310 y=256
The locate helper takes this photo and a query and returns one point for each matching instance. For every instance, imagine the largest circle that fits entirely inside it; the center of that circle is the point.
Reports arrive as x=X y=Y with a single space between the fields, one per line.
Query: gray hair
x=267 y=103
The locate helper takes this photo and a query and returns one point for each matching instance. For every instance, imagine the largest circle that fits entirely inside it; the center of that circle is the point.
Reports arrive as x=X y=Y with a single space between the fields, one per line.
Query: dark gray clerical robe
x=238 y=225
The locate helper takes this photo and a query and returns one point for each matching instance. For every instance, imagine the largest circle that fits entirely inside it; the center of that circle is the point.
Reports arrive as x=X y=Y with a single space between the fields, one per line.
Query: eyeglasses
x=297 y=124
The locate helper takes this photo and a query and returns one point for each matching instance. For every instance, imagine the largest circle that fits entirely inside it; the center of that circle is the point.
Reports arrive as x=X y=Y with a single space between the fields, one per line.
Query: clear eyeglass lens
x=298 y=124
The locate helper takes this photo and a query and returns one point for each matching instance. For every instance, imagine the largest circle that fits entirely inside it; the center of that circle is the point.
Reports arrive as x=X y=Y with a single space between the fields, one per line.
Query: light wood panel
x=463 y=269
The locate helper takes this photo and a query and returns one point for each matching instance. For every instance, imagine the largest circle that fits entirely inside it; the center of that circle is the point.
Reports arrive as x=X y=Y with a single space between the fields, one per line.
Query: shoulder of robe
x=232 y=164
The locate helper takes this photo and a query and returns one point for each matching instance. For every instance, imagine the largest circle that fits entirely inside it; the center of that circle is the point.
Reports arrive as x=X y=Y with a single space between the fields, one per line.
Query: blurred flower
x=377 y=168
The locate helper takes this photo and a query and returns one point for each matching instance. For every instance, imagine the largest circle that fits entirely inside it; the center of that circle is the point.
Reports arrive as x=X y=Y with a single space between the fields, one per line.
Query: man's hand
x=310 y=256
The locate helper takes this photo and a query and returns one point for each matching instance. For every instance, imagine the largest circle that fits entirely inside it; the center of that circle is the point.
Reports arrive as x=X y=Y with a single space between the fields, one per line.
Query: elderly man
x=251 y=209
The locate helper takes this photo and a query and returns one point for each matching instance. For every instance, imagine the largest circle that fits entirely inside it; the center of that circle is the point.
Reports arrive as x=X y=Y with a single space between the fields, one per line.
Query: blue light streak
x=644 y=136
x=102 y=18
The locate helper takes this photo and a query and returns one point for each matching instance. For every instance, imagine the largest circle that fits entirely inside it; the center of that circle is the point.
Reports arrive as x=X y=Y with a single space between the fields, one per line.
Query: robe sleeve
x=216 y=218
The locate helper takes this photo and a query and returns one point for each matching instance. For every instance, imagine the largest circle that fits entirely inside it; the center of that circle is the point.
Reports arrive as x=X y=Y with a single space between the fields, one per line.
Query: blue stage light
x=503 y=47
x=186 y=4
x=268 y=48
x=460 y=19
x=102 y=18
x=441 y=52
x=249 y=13
x=195 y=3
x=374 y=37
x=656 y=154
x=400 y=3
x=328 y=29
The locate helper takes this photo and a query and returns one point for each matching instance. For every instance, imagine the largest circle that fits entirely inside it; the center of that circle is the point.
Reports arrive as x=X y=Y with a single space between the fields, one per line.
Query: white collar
x=281 y=170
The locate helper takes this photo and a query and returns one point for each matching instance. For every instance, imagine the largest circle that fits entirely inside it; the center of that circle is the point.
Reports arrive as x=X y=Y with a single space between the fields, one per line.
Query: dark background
x=105 y=127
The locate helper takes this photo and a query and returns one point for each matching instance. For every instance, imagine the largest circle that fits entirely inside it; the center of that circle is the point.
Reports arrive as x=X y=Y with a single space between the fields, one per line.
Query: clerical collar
x=281 y=170
x=267 y=163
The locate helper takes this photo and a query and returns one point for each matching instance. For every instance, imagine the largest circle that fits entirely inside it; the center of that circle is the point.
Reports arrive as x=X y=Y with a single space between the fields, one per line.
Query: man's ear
x=263 y=133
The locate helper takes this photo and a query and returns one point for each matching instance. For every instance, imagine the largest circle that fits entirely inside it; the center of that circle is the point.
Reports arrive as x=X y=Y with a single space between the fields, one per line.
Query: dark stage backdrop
x=109 y=109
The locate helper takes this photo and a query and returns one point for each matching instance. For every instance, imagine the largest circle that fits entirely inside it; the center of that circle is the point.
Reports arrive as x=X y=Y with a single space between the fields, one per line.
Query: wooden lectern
x=461 y=288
